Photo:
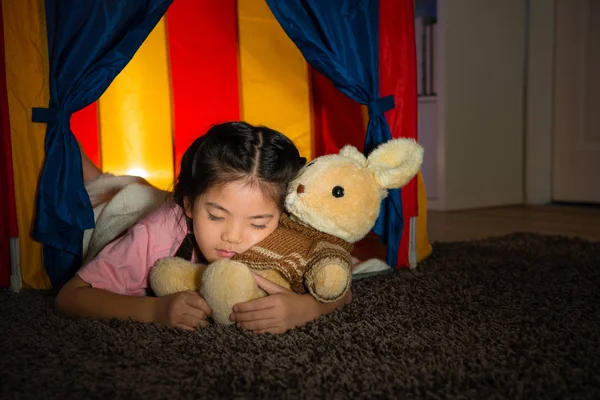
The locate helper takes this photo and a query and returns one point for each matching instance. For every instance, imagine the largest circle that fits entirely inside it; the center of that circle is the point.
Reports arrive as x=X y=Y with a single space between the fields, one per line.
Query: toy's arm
x=173 y=275
x=329 y=274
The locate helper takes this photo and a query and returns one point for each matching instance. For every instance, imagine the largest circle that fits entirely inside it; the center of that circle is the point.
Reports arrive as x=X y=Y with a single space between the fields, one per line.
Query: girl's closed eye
x=259 y=226
x=214 y=217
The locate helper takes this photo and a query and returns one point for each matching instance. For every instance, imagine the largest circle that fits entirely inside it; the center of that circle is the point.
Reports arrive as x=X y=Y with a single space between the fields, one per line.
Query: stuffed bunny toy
x=332 y=203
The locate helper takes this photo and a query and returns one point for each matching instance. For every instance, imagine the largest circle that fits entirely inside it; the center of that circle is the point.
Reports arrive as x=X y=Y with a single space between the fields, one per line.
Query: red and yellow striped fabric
x=8 y=218
x=249 y=69
x=206 y=62
x=25 y=44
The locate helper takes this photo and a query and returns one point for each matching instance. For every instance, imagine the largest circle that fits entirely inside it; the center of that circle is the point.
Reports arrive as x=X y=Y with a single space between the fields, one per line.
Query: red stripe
x=8 y=214
x=398 y=76
x=337 y=118
x=84 y=124
x=203 y=53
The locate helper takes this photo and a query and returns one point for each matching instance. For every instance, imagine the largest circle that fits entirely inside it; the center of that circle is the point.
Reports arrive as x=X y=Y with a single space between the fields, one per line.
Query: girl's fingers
x=268 y=286
x=252 y=315
x=260 y=324
x=193 y=299
x=263 y=303
x=184 y=327
x=192 y=321
x=195 y=313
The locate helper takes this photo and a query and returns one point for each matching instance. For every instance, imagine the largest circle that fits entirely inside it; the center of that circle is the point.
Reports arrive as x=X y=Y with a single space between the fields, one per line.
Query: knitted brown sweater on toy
x=293 y=249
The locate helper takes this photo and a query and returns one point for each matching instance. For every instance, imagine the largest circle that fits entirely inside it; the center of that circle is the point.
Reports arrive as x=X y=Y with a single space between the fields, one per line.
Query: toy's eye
x=338 y=192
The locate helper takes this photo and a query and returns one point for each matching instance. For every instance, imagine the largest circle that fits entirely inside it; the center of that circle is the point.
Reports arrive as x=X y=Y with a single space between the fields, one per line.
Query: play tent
x=136 y=81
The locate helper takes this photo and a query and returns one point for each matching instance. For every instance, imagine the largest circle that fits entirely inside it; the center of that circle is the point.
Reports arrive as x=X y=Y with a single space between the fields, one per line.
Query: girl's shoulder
x=166 y=223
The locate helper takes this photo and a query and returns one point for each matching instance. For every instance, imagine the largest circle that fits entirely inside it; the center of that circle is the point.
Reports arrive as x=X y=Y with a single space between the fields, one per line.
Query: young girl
x=228 y=197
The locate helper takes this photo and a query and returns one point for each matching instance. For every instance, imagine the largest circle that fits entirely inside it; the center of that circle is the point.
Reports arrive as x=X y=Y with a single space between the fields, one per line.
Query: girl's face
x=232 y=218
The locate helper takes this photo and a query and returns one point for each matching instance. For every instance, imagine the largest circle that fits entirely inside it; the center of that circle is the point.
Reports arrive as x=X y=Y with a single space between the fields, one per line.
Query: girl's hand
x=281 y=310
x=186 y=310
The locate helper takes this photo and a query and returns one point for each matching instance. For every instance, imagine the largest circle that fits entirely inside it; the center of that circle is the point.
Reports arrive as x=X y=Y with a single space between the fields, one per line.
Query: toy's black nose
x=300 y=189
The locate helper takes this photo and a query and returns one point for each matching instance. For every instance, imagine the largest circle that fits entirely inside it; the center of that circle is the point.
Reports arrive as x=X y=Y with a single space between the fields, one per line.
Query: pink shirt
x=123 y=266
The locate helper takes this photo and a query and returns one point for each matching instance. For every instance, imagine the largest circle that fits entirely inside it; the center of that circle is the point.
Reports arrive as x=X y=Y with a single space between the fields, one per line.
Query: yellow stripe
x=365 y=114
x=135 y=116
x=274 y=76
x=26 y=48
x=424 y=248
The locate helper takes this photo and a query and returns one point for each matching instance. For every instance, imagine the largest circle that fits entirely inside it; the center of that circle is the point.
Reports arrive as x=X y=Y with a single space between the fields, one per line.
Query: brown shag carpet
x=509 y=317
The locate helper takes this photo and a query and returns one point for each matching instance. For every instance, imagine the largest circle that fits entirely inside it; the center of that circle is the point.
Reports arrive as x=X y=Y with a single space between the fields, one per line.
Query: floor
x=580 y=221
x=552 y=220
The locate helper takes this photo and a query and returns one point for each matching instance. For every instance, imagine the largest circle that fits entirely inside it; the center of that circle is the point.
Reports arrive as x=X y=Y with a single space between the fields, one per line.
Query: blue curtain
x=426 y=9
x=89 y=43
x=340 y=39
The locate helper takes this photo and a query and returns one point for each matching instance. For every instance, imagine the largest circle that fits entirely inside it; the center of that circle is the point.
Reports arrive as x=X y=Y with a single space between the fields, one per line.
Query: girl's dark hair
x=238 y=151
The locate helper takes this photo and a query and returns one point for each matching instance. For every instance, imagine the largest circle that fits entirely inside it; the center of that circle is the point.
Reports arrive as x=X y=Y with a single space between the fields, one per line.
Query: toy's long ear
x=353 y=153
x=396 y=162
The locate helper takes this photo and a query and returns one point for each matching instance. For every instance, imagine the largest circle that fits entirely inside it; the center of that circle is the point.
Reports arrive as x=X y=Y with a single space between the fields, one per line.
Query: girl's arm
x=326 y=308
x=90 y=170
x=281 y=310
x=103 y=287
x=113 y=284
x=186 y=310
x=77 y=298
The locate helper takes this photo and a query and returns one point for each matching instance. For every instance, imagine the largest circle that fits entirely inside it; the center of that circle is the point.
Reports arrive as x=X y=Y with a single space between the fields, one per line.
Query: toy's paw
x=173 y=275
x=329 y=282
x=226 y=283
